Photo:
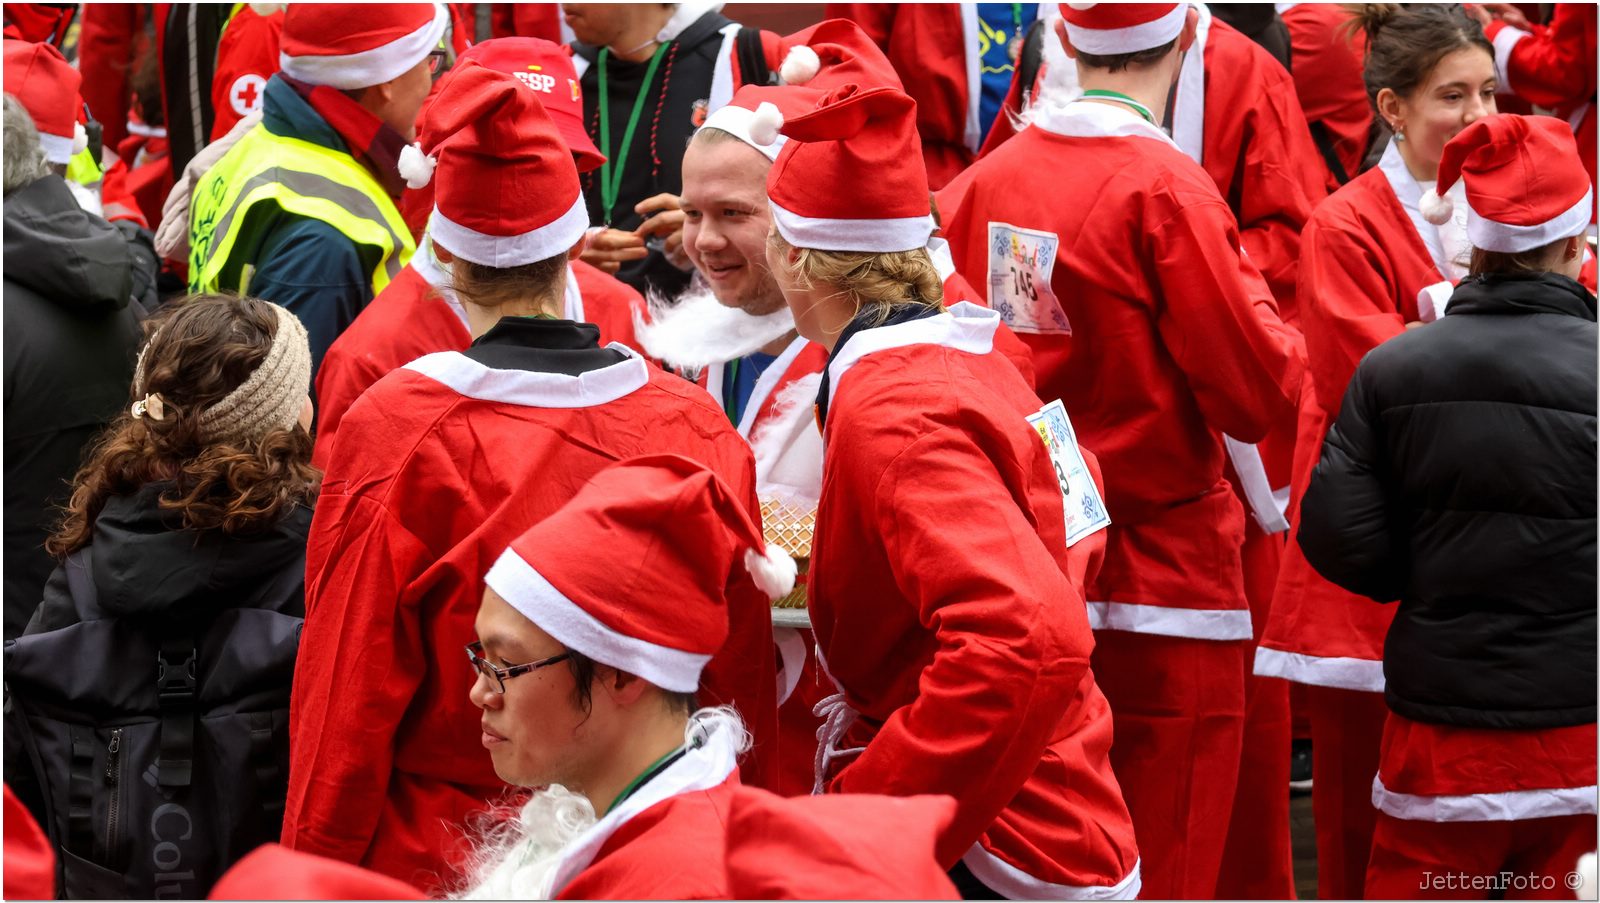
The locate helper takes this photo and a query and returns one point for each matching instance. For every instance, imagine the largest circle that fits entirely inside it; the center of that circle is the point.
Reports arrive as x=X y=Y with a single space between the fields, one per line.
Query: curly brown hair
x=197 y=350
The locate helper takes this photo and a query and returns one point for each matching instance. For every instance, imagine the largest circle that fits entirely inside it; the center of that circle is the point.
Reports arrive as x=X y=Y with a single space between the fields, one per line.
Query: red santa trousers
x=1258 y=861
x=1531 y=859
x=1178 y=709
x=1346 y=736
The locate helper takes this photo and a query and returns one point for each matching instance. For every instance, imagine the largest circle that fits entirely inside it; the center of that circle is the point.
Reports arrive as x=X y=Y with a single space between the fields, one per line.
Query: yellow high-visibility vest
x=302 y=178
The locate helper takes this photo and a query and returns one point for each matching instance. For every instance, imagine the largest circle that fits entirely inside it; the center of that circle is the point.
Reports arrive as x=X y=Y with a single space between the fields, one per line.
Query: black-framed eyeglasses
x=437 y=60
x=497 y=675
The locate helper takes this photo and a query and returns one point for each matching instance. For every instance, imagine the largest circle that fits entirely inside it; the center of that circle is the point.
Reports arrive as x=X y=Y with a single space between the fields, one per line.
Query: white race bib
x=1020 y=264
x=1080 y=498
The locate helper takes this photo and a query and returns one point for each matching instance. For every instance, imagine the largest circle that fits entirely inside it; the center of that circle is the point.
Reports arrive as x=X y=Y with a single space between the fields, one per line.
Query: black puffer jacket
x=1460 y=479
x=71 y=334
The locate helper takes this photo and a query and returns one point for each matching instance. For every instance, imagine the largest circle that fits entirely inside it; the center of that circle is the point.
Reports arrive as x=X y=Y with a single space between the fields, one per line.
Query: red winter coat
x=435 y=469
x=1365 y=262
x=247 y=55
x=412 y=317
x=1173 y=338
x=1326 y=61
x=942 y=639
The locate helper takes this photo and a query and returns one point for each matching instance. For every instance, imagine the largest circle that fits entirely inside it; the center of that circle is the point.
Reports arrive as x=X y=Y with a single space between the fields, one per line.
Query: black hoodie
x=71 y=334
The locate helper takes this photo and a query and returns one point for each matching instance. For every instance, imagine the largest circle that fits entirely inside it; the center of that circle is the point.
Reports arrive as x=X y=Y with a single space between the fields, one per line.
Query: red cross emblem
x=245 y=95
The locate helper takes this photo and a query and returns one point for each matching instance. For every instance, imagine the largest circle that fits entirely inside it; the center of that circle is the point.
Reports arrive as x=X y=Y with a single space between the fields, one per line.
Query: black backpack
x=158 y=748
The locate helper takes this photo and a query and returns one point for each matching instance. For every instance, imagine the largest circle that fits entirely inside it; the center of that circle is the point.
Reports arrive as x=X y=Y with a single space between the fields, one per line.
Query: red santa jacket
x=933 y=48
x=1326 y=61
x=1160 y=335
x=247 y=55
x=1440 y=773
x=1368 y=255
x=1553 y=66
x=435 y=469
x=417 y=314
x=942 y=640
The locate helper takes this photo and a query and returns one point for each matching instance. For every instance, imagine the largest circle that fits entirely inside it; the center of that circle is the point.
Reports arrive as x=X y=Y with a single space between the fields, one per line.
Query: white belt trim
x=1014 y=884
x=792 y=655
x=1511 y=805
x=1320 y=671
x=1265 y=504
x=1194 y=623
x=837 y=716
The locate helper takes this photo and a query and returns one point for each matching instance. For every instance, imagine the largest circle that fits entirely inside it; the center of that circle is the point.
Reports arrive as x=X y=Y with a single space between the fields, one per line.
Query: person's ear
x=1066 y=44
x=1574 y=248
x=622 y=688
x=444 y=255
x=1390 y=108
x=577 y=249
x=1191 y=25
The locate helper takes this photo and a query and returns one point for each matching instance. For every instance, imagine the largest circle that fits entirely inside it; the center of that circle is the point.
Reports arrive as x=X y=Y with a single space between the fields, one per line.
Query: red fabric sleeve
x=105 y=55
x=1349 y=307
x=1221 y=325
x=361 y=661
x=340 y=381
x=249 y=46
x=1553 y=67
x=1013 y=638
x=116 y=198
x=876 y=19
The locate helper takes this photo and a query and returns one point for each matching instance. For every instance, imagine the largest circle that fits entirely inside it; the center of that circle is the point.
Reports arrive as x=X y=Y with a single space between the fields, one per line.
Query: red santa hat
x=357 y=45
x=507 y=192
x=825 y=56
x=1526 y=186
x=546 y=67
x=44 y=82
x=631 y=572
x=853 y=178
x=1105 y=29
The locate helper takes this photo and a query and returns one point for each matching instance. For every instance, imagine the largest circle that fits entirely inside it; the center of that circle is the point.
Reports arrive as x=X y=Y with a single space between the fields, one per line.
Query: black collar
x=543 y=346
x=1523 y=293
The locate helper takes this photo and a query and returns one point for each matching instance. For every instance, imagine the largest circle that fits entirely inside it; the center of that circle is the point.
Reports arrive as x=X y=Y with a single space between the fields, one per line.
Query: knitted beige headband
x=269 y=399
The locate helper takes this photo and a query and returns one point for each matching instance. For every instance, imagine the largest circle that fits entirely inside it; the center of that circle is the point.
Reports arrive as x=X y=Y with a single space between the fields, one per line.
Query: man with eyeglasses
x=301 y=210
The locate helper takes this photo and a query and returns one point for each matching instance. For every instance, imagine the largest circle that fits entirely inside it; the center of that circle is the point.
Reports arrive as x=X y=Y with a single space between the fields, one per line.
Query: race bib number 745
x=1020 y=264
x=1085 y=510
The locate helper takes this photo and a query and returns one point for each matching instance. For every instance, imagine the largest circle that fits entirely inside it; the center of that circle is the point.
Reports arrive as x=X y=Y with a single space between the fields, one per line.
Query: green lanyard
x=730 y=390
x=1121 y=98
x=611 y=175
x=655 y=768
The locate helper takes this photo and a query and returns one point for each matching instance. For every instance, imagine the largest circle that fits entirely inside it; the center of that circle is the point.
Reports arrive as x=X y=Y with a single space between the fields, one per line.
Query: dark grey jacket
x=71 y=334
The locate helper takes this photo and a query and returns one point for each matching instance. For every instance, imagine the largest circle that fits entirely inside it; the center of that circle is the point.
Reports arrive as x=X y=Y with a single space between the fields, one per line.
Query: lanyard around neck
x=1124 y=99
x=611 y=174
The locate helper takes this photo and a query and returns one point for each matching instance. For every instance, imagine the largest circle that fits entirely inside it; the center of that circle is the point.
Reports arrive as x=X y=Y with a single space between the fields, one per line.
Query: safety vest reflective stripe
x=304 y=179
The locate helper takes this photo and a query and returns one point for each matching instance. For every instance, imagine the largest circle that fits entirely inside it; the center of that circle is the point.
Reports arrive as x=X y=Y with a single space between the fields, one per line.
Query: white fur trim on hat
x=740 y=122
x=57 y=148
x=542 y=243
x=874 y=235
x=351 y=71
x=1110 y=41
x=1435 y=208
x=773 y=570
x=800 y=65
x=1505 y=238
x=415 y=166
x=541 y=602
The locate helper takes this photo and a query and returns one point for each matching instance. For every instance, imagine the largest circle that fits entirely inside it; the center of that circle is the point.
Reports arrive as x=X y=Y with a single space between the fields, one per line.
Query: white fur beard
x=517 y=860
x=1059 y=84
x=699 y=330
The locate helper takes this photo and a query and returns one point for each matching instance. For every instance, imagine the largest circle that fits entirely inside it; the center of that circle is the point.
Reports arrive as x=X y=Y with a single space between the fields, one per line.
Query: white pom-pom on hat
x=1436 y=209
x=80 y=138
x=764 y=124
x=800 y=65
x=774 y=571
x=415 y=166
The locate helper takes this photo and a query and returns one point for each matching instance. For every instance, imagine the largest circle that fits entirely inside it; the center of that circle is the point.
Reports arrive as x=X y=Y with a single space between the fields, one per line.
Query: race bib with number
x=1020 y=264
x=1080 y=498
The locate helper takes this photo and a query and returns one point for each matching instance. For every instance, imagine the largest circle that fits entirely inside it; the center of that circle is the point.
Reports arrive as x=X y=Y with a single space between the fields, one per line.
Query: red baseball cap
x=546 y=67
